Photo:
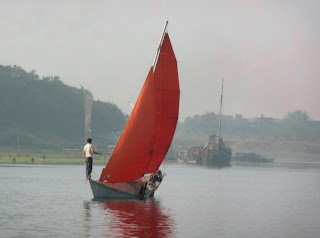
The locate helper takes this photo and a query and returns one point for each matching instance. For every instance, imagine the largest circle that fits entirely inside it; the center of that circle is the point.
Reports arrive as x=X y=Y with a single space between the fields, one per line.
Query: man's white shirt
x=88 y=149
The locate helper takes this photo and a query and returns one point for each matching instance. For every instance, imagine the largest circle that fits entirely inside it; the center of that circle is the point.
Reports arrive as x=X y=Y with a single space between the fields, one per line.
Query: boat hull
x=121 y=190
x=215 y=153
x=100 y=190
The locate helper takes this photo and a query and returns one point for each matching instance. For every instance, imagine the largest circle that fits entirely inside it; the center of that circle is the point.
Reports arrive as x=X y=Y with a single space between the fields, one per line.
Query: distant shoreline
x=59 y=163
x=280 y=161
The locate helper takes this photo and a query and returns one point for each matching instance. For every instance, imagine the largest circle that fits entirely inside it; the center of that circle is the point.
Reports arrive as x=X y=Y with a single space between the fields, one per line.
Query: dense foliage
x=295 y=126
x=47 y=108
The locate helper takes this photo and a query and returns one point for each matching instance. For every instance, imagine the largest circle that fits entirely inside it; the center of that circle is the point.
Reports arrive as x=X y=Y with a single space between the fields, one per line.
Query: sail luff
x=167 y=102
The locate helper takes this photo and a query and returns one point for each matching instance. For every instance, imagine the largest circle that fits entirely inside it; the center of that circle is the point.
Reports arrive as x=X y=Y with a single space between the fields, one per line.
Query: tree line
x=295 y=126
x=47 y=109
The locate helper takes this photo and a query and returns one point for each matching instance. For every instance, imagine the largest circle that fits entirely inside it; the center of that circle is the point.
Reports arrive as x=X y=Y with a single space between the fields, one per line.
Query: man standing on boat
x=88 y=152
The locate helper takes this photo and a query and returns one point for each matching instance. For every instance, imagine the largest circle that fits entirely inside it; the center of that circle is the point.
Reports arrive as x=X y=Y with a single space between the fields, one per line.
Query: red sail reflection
x=139 y=218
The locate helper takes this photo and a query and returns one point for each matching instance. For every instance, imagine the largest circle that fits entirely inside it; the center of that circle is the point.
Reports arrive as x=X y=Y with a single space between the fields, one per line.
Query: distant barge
x=215 y=153
x=252 y=157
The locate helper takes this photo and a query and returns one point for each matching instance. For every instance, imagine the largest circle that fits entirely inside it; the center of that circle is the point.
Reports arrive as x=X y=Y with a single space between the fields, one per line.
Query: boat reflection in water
x=139 y=218
x=134 y=218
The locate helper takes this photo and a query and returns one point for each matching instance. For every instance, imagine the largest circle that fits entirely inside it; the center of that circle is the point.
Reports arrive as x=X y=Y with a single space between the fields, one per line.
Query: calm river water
x=273 y=200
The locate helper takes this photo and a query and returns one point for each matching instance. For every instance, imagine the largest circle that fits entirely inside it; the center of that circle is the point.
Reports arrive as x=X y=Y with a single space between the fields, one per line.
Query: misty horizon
x=267 y=52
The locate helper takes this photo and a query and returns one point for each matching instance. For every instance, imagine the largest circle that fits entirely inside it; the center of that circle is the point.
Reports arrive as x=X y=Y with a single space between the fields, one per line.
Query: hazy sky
x=268 y=52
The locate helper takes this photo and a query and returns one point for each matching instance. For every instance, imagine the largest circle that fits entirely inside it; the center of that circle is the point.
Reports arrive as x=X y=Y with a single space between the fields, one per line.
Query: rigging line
x=226 y=154
x=134 y=94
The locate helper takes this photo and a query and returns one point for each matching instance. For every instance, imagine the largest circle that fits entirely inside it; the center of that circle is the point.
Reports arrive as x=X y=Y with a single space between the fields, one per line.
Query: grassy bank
x=49 y=159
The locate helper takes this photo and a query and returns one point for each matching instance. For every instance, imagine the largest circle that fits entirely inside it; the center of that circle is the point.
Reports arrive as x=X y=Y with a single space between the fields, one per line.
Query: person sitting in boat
x=88 y=152
x=156 y=176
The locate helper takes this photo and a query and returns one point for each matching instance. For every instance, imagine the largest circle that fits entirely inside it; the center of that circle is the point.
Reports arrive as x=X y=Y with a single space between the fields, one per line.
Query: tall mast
x=159 y=46
x=88 y=99
x=18 y=143
x=221 y=100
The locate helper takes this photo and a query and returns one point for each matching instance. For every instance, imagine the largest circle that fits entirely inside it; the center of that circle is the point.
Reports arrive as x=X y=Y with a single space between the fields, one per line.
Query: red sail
x=167 y=102
x=133 y=152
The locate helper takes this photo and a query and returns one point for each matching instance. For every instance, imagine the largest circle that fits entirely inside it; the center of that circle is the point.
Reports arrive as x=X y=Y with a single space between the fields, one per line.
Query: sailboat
x=215 y=152
x=133 y=168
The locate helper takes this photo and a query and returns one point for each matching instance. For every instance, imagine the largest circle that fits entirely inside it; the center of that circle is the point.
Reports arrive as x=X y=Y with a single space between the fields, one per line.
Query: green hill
x=46 y=113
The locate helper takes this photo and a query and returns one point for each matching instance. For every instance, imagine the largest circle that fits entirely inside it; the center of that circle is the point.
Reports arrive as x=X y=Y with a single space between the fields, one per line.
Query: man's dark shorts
x=88 y=166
